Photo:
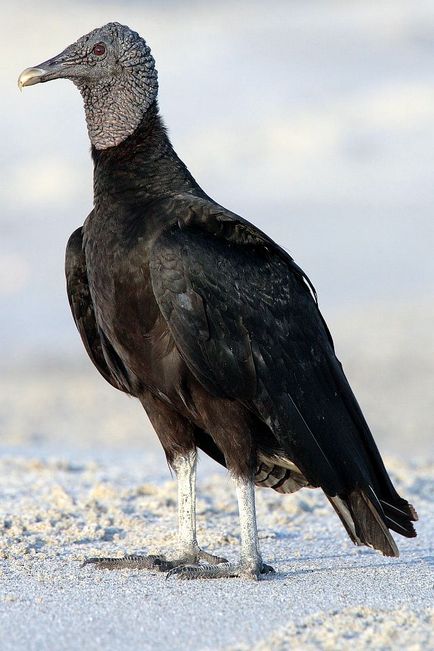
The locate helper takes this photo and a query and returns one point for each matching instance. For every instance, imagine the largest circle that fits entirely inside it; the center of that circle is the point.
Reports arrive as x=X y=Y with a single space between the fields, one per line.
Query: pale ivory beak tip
x=29 y=77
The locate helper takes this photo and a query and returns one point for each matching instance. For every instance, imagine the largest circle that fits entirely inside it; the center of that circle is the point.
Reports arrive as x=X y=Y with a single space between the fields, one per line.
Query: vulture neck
x=142 y=168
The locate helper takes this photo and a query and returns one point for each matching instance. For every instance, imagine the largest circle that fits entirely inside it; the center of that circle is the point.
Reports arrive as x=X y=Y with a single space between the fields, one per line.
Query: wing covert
x=209 y=333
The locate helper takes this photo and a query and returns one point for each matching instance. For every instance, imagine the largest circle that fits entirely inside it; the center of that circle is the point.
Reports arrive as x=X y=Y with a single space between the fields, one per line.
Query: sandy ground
x=325 y=594
x=81 y=475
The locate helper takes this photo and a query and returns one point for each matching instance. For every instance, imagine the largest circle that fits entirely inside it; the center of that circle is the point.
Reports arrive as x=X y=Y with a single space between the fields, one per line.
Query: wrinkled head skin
x=114 y=70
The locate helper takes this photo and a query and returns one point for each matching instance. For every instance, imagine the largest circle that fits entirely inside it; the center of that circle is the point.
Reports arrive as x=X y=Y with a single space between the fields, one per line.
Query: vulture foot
x=221 y=571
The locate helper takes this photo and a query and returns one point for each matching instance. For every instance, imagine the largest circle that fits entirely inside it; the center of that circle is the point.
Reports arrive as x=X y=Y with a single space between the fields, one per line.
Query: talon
x=89 y=561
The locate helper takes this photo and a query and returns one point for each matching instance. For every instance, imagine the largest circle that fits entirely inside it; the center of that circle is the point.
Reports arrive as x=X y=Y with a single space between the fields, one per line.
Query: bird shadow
x=282 y=575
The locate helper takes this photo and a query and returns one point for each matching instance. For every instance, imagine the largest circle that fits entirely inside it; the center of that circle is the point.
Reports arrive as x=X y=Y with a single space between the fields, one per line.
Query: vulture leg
x=188 y=551
x=250 y=564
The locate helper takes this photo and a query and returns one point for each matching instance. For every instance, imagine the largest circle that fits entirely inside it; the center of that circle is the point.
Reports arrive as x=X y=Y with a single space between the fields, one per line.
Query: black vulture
x=209 y=323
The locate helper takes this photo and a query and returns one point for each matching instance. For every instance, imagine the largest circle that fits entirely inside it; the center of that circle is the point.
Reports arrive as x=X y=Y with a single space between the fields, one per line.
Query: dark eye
x=99 y=49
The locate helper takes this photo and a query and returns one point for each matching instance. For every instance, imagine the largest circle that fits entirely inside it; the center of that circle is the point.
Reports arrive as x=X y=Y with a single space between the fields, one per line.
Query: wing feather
x=82 y=308
x=247 y=324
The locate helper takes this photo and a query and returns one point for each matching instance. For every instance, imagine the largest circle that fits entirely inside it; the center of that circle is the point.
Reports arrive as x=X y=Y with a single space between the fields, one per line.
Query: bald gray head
x=114 y=70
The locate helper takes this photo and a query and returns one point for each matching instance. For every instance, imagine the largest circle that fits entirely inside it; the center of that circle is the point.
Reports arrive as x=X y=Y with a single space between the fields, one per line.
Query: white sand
x=326 y=593
x=81 y=474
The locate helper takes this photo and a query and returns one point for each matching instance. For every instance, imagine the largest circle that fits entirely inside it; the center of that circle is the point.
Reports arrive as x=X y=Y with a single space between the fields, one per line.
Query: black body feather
x=217 y=331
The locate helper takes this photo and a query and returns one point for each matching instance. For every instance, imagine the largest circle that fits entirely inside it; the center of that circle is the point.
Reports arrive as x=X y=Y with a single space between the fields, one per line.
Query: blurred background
x=312 y=119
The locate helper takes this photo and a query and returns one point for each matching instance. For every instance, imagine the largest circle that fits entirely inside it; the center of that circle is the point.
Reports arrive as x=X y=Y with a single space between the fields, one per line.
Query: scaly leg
x=188 y=550
x=250 y=564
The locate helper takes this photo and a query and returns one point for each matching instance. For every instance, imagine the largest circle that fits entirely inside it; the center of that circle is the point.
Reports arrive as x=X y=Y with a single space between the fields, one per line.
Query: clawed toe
x=267 y=569
x=185 y=572
x=131 y=562
x=218 y=571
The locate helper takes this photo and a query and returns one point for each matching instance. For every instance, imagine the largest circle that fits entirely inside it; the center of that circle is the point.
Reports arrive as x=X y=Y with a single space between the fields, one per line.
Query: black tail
x=368 y=519
x=400 y=518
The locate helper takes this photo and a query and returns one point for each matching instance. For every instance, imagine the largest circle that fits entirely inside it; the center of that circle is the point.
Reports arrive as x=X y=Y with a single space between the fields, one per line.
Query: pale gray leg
x=250 y=556
x=250 y=564
x=188 y=548
x=188 y=551
x=185 y=468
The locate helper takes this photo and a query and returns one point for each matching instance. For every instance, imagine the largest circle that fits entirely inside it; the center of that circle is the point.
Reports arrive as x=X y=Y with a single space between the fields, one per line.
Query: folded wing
x=245 y=319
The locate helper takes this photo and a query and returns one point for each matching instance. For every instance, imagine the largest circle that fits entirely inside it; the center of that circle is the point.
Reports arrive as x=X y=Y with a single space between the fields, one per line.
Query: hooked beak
x=30 y=76
x=52 y=69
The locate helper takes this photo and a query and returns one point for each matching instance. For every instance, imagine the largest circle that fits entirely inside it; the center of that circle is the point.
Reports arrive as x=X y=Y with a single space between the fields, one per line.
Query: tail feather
x=400 y=518
x=367 y=519
x=345 y=517
x=369 y=523
x=282 y=480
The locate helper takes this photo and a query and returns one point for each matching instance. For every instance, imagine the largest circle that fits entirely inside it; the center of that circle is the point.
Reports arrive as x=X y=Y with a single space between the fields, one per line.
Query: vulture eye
x=99 y=49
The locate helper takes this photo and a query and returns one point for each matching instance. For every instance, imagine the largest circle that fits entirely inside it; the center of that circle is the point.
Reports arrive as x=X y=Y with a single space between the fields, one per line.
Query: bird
x=211 y=324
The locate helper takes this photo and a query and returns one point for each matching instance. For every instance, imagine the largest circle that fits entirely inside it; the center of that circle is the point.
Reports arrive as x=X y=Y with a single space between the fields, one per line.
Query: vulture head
x=114 y=70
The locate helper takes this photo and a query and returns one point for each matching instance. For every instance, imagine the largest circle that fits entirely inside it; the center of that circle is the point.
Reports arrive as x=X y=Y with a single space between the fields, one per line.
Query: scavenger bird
x=209 y=323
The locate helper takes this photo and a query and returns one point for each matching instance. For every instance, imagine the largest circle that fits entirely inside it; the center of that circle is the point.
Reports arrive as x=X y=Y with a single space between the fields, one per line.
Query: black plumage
x=216 y=330
x=199 y=314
